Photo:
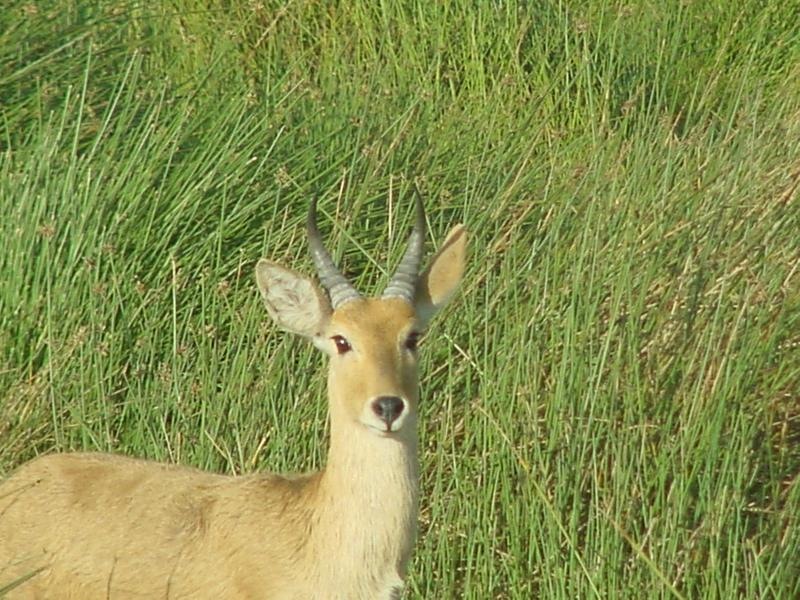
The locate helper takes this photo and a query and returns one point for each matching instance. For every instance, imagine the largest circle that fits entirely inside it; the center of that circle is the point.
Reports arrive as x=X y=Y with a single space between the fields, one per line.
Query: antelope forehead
x=369 y=316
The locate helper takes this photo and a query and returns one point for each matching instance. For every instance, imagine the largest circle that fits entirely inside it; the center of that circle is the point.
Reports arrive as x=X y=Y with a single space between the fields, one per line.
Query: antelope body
x=89 y=526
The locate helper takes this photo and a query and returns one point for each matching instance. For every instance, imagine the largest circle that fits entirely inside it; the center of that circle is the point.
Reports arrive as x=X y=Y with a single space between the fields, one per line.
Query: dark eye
x=412 y=341
x=342 y=345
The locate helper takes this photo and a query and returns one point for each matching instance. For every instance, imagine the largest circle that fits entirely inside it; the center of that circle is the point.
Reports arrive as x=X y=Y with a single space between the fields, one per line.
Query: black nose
x=388 y=408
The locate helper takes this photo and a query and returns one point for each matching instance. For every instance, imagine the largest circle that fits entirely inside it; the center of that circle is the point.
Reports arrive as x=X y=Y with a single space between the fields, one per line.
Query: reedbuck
x=89 y=526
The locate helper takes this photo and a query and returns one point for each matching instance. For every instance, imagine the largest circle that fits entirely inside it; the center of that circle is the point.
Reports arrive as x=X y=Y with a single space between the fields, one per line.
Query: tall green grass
x=612 y=407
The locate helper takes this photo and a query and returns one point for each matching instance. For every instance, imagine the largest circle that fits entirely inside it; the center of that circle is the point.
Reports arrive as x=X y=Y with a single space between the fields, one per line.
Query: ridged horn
x=404 y=281
x=339 y=289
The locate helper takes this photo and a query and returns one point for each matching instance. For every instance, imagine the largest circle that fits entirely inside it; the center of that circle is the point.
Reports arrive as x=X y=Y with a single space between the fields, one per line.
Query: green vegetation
x=612 y=407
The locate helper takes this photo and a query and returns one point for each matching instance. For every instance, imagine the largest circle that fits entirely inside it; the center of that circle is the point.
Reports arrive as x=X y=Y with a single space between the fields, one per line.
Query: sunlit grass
x=611 y=406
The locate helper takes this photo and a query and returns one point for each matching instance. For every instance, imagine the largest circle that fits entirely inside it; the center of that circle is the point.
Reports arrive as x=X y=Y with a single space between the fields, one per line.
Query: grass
x=612 y=407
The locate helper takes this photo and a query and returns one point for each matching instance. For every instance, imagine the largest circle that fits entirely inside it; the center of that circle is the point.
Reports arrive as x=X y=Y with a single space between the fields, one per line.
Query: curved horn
x=404 y=281
x=339 y=289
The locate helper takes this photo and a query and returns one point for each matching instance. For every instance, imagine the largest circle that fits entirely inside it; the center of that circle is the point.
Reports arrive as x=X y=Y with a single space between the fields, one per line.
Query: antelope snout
x=388 y=409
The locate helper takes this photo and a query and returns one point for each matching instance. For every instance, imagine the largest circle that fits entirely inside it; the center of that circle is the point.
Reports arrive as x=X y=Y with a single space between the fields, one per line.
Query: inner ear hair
x=295 y=302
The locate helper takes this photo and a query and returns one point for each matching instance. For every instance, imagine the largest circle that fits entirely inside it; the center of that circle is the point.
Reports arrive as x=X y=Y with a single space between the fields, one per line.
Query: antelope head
x=371 y=342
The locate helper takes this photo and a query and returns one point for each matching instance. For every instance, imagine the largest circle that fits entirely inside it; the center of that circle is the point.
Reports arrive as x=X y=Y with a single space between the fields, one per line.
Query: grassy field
x=611 y=407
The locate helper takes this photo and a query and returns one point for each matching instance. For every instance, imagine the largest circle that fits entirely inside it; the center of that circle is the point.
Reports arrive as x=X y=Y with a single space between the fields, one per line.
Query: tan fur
x=91 y=526
x=435 y=287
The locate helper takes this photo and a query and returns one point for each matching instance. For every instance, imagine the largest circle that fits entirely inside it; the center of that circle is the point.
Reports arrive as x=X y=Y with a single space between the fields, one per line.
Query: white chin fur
x=375 y=425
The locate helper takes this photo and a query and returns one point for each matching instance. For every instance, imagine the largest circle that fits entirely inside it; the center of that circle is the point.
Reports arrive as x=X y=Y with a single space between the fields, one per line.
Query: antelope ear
x=440 y=280
x=293 y=301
